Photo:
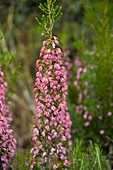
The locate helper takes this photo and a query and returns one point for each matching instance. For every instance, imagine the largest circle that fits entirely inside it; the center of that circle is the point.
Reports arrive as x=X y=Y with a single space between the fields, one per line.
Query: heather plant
x=91 y=93
x=7 y=141
x=52 y=124
x=80 y=96
x=101 y=24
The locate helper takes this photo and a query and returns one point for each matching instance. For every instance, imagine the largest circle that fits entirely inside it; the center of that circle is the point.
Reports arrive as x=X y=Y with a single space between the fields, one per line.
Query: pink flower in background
x=85 y=116
x=51 y=107
x=78 y=62
x=7 y=141
x=89 y=117
x=109 y=113
x=87 y=124
x=102 y=132
x=75 y=83
x=100 y=117
x=80 y=97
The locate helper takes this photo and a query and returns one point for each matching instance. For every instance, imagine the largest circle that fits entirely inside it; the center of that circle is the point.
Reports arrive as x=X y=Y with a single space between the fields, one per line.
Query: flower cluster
x=7 y=141
x=89 y=108
x=53 y=124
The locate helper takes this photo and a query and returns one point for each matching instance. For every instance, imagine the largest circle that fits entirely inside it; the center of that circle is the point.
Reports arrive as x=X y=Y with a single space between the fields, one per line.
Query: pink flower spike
x=52 y=124
x=7 y=142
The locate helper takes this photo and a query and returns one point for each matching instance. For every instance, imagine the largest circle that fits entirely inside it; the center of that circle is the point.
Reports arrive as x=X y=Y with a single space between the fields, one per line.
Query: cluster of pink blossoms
x=52 y=129
x=7 y=141
x=83 y=89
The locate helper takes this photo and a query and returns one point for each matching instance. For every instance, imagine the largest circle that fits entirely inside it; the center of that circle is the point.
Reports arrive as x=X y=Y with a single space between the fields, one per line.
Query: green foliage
x=90 y=158
x=99 y=15
x=21 y=161
x=7 y=60
x=50 y=16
